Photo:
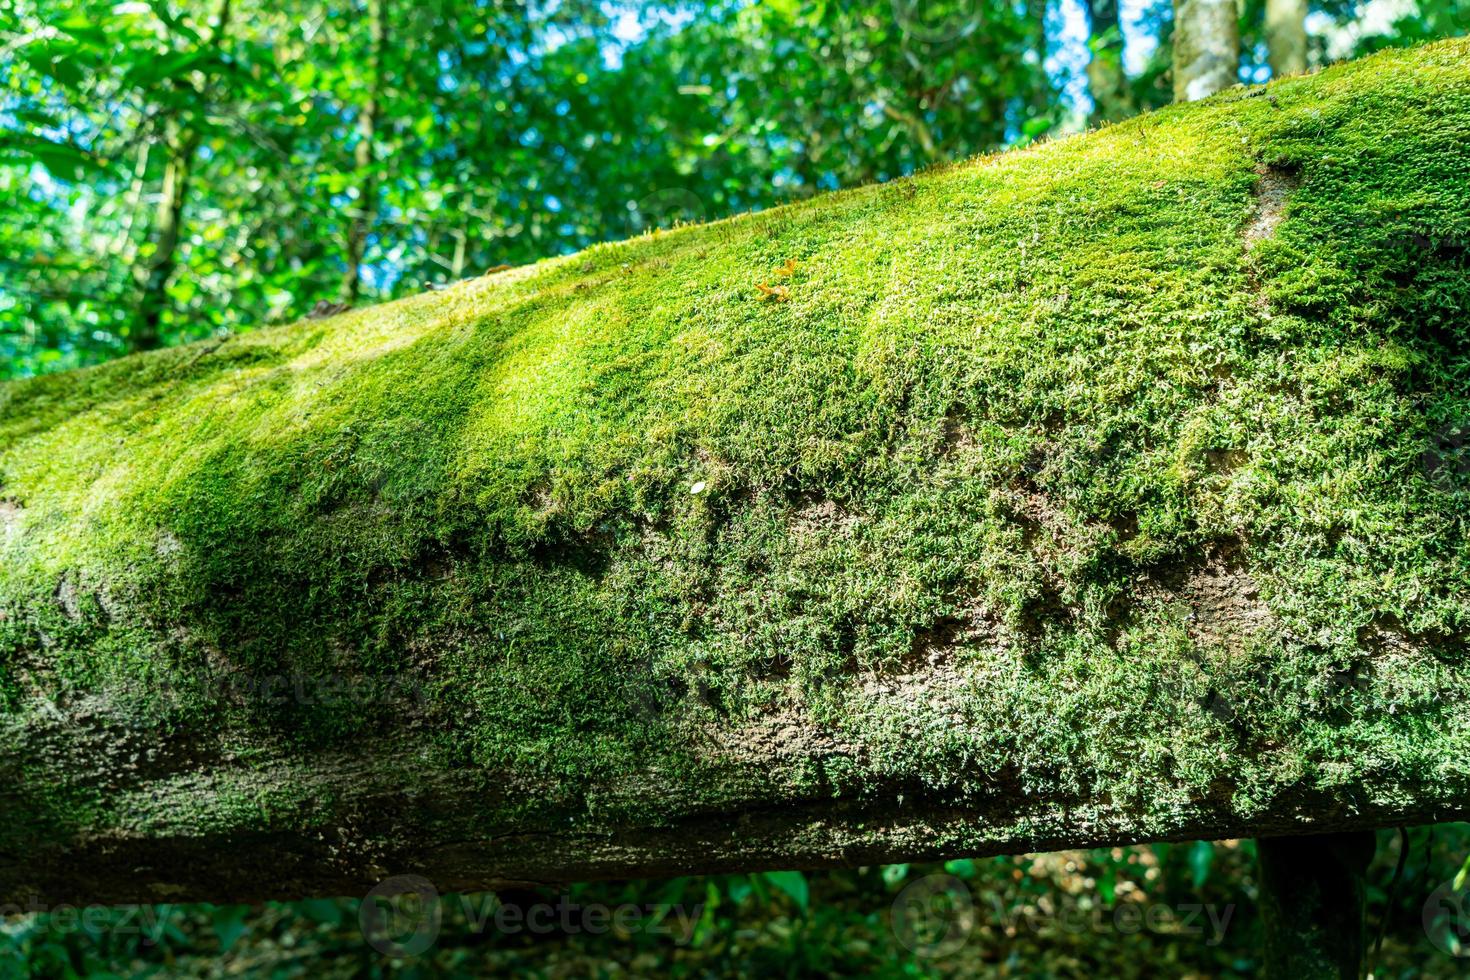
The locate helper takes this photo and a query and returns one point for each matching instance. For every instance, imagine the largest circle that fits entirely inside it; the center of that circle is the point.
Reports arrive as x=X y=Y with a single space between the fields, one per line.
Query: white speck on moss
x=697 y=488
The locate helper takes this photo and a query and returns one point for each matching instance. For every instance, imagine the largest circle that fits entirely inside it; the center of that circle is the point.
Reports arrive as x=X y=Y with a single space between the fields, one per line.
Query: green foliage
x=1041 y=916
x=793 y=884
x=508 y=132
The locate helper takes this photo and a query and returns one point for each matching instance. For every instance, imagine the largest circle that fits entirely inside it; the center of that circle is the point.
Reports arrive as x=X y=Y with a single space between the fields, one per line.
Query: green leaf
x=739 y=889
x=962 y=868
x=61 y=160
x=59 y=59
x=1201 y=856
x=229 y=924
x=793 y=883
x=322 y=910
x=894 y=873
x=85 y=30
x=1107 y=883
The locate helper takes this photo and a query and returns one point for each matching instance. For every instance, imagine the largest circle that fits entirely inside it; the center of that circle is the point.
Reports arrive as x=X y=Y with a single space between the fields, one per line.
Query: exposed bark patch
x=823 y=518
x=9 y=517
x=1225 y=461
x=1051 y=538
x=89 y=740
x=782 y=734
x=542 y=503
x=1272 y=191
x=1041 y=521
x=956 y=435
x=68 y=597
x=1223 y=599
x=1225 y=605
x=923 y=694
x=934 y=646
x=1387 y=639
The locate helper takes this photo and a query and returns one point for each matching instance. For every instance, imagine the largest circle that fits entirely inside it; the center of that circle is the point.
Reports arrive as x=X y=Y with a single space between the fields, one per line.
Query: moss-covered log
x=1110 y=490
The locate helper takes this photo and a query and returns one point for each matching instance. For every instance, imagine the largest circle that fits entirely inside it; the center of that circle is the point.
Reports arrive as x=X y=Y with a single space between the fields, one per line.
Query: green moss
x=1015 y=414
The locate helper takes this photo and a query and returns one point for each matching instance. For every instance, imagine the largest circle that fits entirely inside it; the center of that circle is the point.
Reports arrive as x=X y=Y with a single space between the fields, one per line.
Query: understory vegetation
x=1185 y=911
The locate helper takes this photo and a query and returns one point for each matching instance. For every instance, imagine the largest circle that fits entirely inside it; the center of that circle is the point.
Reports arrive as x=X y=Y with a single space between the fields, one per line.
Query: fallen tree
x=1106 y=491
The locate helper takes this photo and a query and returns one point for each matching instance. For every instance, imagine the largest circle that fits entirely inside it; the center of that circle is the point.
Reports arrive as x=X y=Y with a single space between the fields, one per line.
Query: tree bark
x=181 y=145
x=1105 y=77
x=168 y=220
x=363 y=155
x=336 y=823
x=1313 y=891
x=123 y=246
x=1206 y=48
x=1286 y=37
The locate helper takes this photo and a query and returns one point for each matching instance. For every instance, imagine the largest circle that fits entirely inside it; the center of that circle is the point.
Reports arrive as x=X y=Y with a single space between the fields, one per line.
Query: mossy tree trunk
x=1206 y=48
x=1286 y=36
x=1100 y=493
x=1312 y=894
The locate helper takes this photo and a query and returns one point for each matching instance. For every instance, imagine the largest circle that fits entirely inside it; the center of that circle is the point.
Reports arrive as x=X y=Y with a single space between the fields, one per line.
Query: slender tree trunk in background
x=1105 y=78
x=456 y=268
x=917 y=128
x=1039 y=99
x=1313 y=891
x=168 y=220
x=367 y=128
x=1286 y=36
x=181 y=143
x=122 y=244
x=1206 y=47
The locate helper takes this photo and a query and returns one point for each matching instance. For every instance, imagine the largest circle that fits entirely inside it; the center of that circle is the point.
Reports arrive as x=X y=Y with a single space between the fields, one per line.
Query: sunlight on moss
x=964 y=489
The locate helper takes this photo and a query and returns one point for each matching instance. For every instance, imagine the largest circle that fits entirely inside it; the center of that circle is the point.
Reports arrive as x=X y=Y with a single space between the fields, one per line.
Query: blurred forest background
x=171 y=171
x=1129 y=913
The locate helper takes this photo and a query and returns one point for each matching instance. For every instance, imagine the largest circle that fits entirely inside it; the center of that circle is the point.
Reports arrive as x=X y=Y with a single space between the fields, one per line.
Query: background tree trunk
x=181 y=141
x=363 y=155
x=1206 y=48
x=1312 y=894
x=1105 y=78
x=1286 y=36
x=158 y=267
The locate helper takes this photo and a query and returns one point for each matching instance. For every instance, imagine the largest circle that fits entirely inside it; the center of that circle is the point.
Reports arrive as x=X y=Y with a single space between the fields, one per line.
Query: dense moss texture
x=1118 y=469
